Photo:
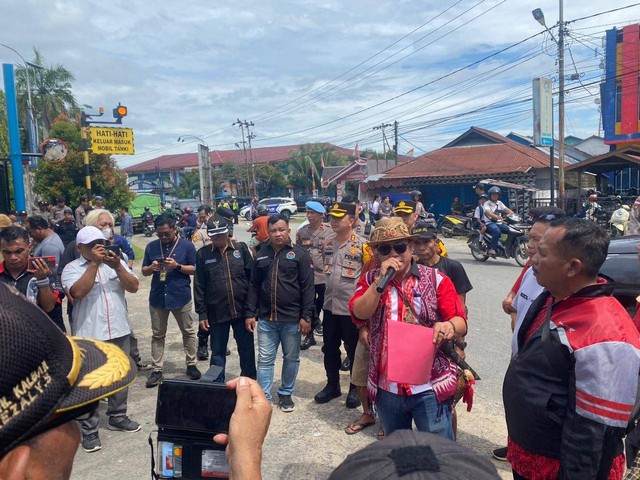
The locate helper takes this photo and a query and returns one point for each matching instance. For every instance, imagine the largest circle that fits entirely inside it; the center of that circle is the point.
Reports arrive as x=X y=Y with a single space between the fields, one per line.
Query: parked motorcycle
x=619 y=221
x=451 y=225
x=512 y=244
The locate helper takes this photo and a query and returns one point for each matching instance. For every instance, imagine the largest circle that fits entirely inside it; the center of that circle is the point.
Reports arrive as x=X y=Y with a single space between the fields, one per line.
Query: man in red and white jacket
x=570 y=390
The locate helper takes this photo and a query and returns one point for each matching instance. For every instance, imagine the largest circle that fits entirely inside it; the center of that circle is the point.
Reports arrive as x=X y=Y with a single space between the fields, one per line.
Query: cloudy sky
x=321 y=70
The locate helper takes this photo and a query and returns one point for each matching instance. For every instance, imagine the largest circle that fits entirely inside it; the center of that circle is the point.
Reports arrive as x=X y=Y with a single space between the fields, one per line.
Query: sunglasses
x=399 y=248
x=164 y=234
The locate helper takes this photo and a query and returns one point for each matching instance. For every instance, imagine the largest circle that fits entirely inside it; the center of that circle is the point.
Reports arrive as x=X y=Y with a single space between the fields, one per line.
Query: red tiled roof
x=218 y=157
x=504 y=156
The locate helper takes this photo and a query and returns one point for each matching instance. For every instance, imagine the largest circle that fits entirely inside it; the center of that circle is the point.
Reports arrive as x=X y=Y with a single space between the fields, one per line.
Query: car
x=301 y=201
x=622 y=266
x=283 y=205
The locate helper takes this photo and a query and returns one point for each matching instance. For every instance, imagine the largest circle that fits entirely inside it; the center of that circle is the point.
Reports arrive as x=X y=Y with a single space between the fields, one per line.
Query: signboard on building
x=111 y=141
x=542 y=112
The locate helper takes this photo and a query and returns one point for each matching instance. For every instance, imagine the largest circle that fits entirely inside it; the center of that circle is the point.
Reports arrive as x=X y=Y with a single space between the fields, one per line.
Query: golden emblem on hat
x=115 y=369
x=336 y=207
x=402 y=204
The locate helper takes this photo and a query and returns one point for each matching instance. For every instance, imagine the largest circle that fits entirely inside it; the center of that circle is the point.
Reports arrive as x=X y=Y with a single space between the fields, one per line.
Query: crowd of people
x=389 y=296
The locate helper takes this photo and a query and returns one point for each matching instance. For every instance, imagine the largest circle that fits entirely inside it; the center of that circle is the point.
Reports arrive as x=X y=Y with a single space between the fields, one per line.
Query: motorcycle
x=451 y=225
x=512 y=244
x=619 y=221
x=149 y=229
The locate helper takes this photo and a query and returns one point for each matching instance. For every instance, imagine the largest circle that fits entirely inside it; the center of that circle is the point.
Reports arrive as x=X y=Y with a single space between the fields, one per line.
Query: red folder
x=410 y=353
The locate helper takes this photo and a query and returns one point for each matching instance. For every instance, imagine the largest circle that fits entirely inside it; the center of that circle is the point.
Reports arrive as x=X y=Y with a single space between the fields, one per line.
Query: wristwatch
x=179 y=267
x=306 y=319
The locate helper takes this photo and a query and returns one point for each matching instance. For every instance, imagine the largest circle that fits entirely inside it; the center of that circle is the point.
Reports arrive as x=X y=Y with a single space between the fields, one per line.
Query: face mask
x=107 y=233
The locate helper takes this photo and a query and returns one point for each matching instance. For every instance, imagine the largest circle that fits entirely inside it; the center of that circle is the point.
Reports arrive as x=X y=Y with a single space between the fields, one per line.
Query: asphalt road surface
x=310 y=442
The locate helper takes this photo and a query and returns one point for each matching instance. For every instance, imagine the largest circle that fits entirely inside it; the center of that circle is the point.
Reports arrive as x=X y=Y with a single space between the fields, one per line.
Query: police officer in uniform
x=310 y=237
x=344 y=254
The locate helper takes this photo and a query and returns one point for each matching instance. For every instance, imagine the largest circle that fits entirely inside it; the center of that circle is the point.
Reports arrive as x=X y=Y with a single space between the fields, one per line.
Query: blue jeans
x=495 y=229
x=397 y=411
x=270 y=334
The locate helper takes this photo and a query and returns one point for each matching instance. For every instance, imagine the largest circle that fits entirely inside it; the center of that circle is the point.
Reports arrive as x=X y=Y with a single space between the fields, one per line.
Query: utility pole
x=250 y=137
x=561 y=27
x=395 y=134
x=384 y=141
x=242 y=125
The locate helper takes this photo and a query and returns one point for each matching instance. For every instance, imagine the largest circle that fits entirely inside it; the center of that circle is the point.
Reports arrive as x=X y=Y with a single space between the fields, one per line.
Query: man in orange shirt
x=259 y=226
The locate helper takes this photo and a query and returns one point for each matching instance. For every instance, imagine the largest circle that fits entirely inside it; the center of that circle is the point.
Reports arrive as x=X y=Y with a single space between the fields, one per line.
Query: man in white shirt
x=97 y=282
x=492 y=220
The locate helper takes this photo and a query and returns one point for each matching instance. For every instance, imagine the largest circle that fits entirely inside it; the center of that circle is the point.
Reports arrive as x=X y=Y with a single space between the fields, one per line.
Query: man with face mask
x=97 y=282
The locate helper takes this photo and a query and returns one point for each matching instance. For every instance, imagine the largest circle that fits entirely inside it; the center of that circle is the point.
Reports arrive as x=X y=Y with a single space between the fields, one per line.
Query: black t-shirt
x=455 y=271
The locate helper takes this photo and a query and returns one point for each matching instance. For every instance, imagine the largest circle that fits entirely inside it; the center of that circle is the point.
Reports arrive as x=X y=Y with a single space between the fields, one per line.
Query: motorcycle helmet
x=593 y=197
x=485 y=196
x=493 y=190
x=626 y=207
x=187 y=210
x=415 y=195
x=146 y=209
x=263 y=210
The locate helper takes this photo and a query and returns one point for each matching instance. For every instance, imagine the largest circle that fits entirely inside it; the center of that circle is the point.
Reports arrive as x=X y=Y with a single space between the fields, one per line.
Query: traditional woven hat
x=4 y=221
x=389 y=230
x=48 y=378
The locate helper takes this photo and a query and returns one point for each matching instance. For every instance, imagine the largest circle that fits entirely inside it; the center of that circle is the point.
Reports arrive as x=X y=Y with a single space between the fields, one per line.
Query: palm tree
x=51 y=92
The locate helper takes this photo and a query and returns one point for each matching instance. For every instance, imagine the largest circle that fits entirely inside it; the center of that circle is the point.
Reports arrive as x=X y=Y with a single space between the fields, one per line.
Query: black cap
x=217 y=225
x=225 y=212
x=341 y=209
x=48 y=378
x=424 y=230
x=406 y=454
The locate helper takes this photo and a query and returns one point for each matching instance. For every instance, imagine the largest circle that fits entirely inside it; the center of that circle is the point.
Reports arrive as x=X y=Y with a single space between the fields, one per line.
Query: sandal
x=380 y=434
x=357 y=426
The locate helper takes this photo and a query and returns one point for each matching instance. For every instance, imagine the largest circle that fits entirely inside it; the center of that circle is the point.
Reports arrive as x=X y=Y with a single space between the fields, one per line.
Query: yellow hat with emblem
x=405 y=206
x=341 y=209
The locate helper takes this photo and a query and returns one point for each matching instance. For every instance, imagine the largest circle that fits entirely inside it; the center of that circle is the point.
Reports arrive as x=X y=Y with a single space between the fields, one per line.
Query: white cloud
x=196 y=66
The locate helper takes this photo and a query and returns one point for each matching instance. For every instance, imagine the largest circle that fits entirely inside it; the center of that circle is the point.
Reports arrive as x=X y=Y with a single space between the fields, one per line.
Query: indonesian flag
x=410 y=153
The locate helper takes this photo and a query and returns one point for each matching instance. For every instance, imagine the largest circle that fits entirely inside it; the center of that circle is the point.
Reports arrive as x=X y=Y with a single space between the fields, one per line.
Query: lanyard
x=174 y=247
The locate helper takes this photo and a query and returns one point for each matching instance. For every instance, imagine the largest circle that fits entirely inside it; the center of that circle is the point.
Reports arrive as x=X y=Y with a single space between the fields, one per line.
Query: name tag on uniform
x=212 y=260
x=307 y=242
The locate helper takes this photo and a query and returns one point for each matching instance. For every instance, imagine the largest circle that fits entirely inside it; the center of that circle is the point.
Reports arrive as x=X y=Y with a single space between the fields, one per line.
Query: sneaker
x=492 y=253
x=123 y=424
x=154 y=379
x=193 y=373
x=142 y=365
x=346 y=365
x=500 y=454
x=328 y=393
x=203 y=352
x=318 y=330
x=285 y=403
x=308 y=341
x=91 y=442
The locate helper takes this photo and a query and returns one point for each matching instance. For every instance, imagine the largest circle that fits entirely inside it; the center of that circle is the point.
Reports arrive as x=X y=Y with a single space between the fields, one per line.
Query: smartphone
x=113 y=248
x=51 y=263
x=194 y=406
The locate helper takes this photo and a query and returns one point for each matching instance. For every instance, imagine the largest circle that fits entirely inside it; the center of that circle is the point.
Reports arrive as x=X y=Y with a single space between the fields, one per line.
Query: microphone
x=386 y=279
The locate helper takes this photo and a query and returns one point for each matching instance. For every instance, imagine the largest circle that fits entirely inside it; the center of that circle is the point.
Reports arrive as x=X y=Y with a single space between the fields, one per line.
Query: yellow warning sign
x=112 y=141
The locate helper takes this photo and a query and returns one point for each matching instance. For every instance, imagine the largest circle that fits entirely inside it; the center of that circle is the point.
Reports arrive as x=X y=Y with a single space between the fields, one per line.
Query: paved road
x=310 y=442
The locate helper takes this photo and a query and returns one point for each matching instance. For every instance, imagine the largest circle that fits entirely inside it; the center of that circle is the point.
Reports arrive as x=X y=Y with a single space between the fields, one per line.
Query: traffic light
x=119 y=112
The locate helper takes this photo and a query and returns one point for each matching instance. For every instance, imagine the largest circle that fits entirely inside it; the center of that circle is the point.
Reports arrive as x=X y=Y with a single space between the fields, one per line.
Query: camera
x=188 y=415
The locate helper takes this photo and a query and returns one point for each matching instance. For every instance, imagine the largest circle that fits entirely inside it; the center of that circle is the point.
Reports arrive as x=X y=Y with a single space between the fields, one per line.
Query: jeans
x=397 y=411
x=244 y=341
x=495 y=229
x=270 y=334
x=117 y=403
x=337 y=328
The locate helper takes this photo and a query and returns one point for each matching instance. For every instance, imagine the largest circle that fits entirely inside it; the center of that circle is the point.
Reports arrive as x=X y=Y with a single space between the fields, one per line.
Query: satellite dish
x=54 y=149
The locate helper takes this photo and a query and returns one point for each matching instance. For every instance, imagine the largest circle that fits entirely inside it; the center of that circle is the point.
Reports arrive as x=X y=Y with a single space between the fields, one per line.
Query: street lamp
x=539 y=16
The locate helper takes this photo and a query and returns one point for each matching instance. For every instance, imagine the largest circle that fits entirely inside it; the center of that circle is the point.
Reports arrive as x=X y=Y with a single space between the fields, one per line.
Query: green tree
x=189 y=185
x=304 y=166
x=51 y=93
x=4 y=131
x=66 y=178
x=269 y=179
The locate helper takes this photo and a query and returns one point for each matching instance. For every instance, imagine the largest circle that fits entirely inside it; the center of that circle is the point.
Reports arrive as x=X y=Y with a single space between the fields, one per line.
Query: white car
x=284 y=205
